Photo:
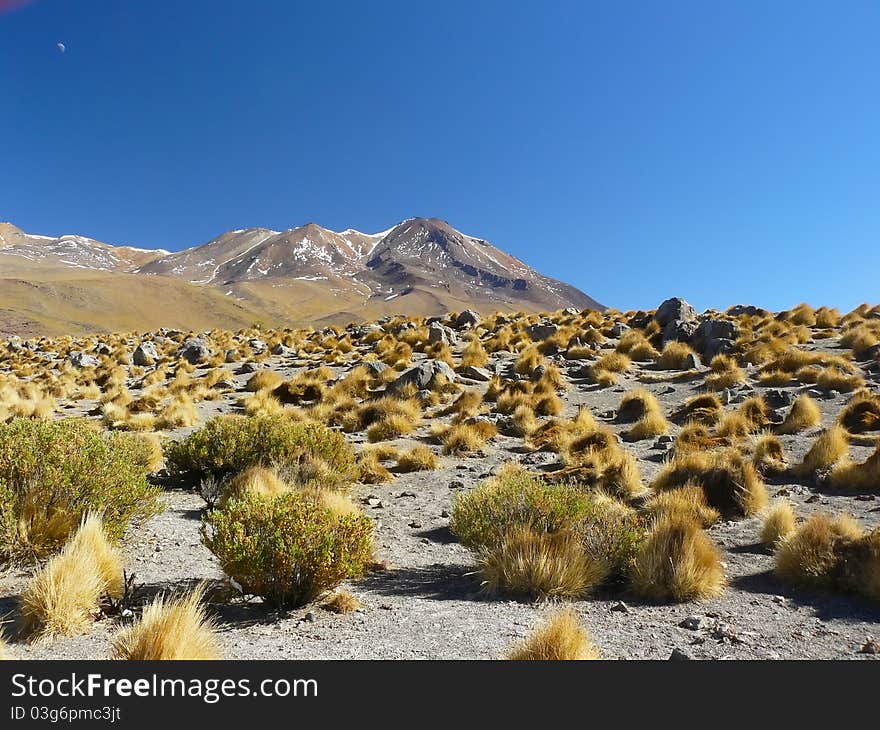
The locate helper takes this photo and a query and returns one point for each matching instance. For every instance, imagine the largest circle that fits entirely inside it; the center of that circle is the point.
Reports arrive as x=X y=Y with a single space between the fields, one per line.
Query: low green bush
x=305 y=451
x=289 y=549
x=54 y=472
x=608 y=531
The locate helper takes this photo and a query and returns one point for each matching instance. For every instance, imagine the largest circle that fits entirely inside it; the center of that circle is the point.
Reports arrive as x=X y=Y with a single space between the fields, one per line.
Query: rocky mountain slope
x=304 y=275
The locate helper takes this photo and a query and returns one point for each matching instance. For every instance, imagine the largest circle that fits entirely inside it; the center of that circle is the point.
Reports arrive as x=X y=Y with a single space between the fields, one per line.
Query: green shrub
x=290 y=549
x=609 y=531
x=481 y=517
x=232 y=443
x=53 y=472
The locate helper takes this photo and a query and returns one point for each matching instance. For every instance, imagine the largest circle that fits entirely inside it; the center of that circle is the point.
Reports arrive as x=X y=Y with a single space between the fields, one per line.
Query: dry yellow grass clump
x=688 y=502
x=864 y=476
x=341 y=601
x=562 y=638
x=832 y=553
x=62 y=597
x=259 y=480
x=677 y=562
x=676 y=356
x=862 y=413
x=540 y=565
x=725 y=373
x=769 y=455
x=418 y=458
x=731 y=483
x=170 y=629
x=803 y=414
x=705 y=409
x=779 y=523
x=830 y=447
x=466 y=438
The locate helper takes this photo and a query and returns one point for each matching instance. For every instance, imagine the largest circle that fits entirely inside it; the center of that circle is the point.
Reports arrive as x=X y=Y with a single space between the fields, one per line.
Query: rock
x=870 y=647
x=249 y=367
x=679 y=329
x=640 y=319
x=438 y=333
x=619 y=329
x=675 y=309
x=422 y=375
x=82 y=360
x=714 y=336
x=542 y=331
x=375 y=367
x=777 y=398
x=442 y=368
x=231 y=356
x=103 y=349
x=571 y=311
x=467 y=319
x=620 y=607
x=475 y=373
x=678 y=655
x=750 y=310
x=281 y=349
x=257 y=345
x=144 y=354
x=695 y=623
x=692 y=361
x=310 y=617
x=195 y=350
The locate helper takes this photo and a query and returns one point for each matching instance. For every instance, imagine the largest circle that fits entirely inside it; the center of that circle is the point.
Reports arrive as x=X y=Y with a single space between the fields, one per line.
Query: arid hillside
x=299 y=277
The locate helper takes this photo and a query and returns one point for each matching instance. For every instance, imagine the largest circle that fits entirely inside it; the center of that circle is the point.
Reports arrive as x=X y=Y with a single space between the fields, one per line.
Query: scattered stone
x=695 y=623
x=870 y=647
x=144 y=354
x=678 y=655
x=82 y=360
x=195 y=350
x=475 y=373
x=467 y=319
x=542 y=331
x=620 y=607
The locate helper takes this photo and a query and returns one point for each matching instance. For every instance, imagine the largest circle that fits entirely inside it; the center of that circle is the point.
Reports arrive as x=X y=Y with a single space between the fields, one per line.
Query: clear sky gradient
x=723 y=152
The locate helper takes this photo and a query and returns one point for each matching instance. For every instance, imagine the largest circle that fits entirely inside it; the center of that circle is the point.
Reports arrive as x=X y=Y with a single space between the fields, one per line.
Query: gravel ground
x=427 y=604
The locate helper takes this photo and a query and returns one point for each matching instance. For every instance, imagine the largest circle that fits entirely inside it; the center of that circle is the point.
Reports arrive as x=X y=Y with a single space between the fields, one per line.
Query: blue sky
x=724 y=152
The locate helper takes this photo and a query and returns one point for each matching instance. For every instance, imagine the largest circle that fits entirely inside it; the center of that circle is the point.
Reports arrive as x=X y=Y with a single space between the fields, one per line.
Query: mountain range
x=307 y=275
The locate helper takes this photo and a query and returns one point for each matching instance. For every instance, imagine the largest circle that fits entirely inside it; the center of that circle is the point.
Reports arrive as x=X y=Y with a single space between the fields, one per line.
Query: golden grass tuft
x=830 y=447
x=648 y=426
x=561 y=639
x=803 y=414
x=418 y=458
x=263 y=380
x=675 y=356
x=62 y=597
x=677 y=562
x=780 y=522
x=705 y=408
x=769 y=455
x=467 y=438
x=540 y=565
x=862 y=413
x=865 y=476
x=810 y=556
x=391 y=427
x=259 y=480
x=688 y=501
x=341 y=601
x=170 y=629
x=725 y=373
x=731 y=484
